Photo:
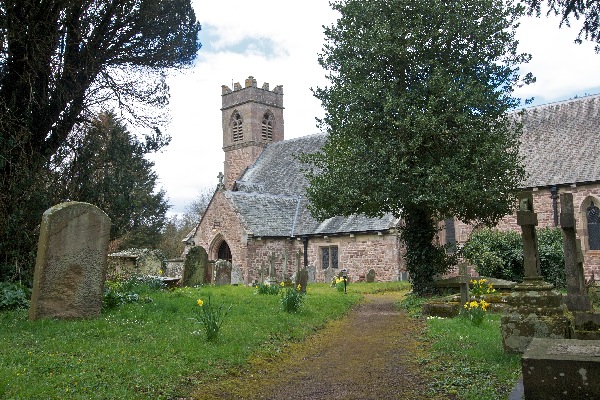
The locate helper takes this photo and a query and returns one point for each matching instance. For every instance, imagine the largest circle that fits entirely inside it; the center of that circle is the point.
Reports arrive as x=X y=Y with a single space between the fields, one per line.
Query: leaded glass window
x=329 y=257
x=593 y=226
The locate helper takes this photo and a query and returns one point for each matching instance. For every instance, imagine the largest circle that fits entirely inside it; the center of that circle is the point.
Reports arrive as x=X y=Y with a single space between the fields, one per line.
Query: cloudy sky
x=277 y=42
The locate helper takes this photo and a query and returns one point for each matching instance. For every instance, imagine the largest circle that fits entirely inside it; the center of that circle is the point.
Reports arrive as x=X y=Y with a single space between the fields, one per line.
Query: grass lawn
x=153 y=349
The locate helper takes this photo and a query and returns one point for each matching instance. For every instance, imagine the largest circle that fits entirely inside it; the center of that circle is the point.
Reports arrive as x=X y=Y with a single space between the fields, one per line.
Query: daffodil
x=200 y=302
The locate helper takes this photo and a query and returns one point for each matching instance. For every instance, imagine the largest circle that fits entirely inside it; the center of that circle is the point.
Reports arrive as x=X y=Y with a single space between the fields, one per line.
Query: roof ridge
x=571 y=100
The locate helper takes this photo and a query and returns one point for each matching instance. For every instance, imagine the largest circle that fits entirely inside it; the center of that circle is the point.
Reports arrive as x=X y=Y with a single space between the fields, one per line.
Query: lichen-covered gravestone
x=194 y=267
x=222 y=272
x=371 y=276
x=70 y=266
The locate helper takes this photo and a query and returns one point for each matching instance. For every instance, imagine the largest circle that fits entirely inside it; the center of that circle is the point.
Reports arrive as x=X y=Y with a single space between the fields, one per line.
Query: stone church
x=258 y=214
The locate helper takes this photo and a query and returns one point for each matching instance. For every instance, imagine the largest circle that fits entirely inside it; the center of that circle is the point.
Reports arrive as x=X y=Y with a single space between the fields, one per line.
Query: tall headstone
x=71 y=260
x=302 y=279
x=262 y=273
x=272 y=279
x=194 y=267
x=236 y=275
x=577 y=298
x=534 y=309
x=312 y=273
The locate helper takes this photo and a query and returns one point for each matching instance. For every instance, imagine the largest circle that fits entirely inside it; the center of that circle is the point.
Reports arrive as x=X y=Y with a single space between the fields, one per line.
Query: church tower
x=252 y=118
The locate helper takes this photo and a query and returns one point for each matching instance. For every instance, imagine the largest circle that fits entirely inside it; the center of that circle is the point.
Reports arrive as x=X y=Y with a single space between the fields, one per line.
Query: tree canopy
x=416 y=113
x=59 y=61
x=588 y=10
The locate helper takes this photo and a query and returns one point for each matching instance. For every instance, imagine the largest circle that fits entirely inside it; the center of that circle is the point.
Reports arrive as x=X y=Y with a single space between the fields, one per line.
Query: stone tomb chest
x=561 y=369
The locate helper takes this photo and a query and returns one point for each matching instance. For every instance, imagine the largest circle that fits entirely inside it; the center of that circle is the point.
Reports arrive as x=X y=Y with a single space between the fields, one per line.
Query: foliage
x=413 y=304
x=61 y=61
x=480 y=287
x=58 y=359
x=211 y=318
x=13 y=295
x=496 y=254
x=499 y=254
x=291 y=298
x=263 y=288
x=339 y=283
x=105 y=165
x=416 y=116
x=589 y=11
x=475 y=311
x=469 y=363
x=132 y=290
x=552 y=257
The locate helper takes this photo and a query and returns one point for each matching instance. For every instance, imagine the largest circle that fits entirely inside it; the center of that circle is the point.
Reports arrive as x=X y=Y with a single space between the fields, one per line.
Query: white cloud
x=278 y=42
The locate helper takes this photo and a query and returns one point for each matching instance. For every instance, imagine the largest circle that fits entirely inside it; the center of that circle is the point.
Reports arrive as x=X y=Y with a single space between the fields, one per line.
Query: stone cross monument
x=534 y=309
x=577 y=298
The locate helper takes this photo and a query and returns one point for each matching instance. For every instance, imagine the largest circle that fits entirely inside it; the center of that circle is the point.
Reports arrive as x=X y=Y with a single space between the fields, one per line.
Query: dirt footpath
x=371 y=354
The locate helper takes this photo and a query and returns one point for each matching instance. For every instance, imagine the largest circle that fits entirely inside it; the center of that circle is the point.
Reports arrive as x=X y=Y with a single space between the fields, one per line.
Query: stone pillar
x=577 y=299
x=534 y=308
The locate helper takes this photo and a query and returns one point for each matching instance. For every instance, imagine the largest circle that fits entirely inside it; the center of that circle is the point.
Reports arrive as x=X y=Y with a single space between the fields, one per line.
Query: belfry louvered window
x=237 y=134
x=267 y=127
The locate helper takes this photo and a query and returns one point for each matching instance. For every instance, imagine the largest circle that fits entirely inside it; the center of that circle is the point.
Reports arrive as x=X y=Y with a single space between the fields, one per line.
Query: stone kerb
x=71 y=262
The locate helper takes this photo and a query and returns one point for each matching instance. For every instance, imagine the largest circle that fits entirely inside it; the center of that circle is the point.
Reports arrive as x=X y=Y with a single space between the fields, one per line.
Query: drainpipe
x=553 y=193
x=305 y=243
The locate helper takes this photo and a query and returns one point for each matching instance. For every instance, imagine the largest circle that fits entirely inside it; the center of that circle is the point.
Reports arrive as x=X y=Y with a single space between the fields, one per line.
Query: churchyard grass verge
x=149 y=349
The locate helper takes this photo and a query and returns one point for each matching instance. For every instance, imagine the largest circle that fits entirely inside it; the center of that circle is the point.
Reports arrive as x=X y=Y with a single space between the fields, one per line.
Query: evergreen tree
x=105 y=165
x=416 y=113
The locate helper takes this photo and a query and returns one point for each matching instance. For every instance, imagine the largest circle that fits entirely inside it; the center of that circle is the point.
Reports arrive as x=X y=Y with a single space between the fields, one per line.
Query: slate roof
x=271 y=200
x=561 y=142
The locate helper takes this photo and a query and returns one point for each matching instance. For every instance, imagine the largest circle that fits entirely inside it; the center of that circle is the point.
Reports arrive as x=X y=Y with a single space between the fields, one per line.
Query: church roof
x=561 y=142
x=271 y=201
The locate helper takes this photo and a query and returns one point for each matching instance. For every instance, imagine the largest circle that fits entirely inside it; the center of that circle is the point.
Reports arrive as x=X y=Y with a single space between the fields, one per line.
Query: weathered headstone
x=534 y=309
x=370 y=278
x=302 y=279
x=194 y=267
x=329 y=274
x=561 y=369
x=272 y=279
x=298 y=257
x=236 y=275
x=284 y=273
x=222 y=272
x=464 y=278
x=312 y=273
x=577 y=299
x=261 y=271
x=71 y=260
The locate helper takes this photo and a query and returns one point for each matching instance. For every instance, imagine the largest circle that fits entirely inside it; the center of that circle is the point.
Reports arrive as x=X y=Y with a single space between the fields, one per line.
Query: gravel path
x=371 y=354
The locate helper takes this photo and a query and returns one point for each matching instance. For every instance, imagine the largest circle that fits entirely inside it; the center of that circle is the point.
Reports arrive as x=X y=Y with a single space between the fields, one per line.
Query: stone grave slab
x=561 y=369
x=71 y=262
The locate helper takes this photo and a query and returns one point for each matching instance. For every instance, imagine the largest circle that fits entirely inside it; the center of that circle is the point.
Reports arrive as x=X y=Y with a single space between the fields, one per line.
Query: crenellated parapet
x=251 y=93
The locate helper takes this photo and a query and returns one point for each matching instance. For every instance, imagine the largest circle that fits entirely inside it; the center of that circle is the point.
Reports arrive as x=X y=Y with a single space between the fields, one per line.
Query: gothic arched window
x=593 y=226
x=237 y=134
x=267 y=127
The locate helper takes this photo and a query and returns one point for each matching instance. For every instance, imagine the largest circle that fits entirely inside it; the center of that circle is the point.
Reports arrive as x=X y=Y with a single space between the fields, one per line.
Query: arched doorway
x=224 y=252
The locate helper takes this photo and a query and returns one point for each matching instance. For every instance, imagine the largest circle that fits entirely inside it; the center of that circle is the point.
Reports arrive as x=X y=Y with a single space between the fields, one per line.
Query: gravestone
x=222 y=272
x=534 y=309
x=194 y=267
x=577 y=299
x=312 y=274
x=561 y=369
x=284 y=273
x=329 y=274
x=464 y=278
x=370 y=278
x=70 y=267
x=262 y=271
x=272 y=279
x=236 y=275
x=302 y=279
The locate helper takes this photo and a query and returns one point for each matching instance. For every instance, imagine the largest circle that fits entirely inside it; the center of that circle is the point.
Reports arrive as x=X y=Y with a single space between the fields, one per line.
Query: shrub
x=499 y=254
x=551 y=253
x=13 y=295
x=496 y=253
x=130 y=290
x=263 y=288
